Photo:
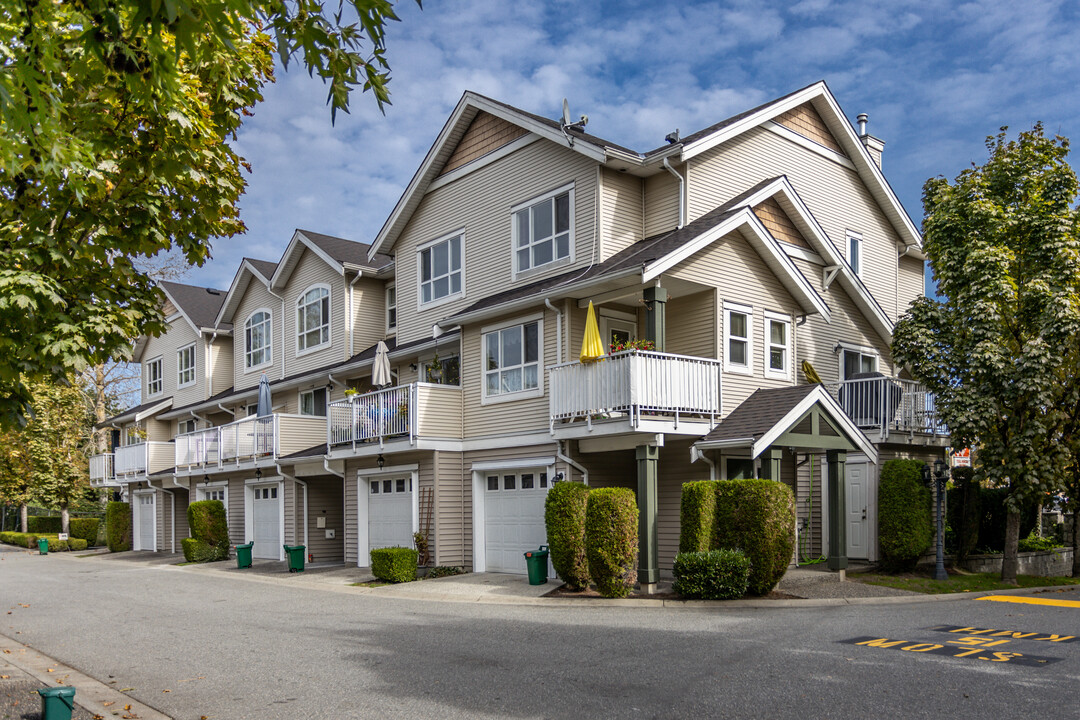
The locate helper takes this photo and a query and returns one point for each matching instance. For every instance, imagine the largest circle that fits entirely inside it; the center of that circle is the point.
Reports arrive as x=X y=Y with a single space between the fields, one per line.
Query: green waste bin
x=295 y=554
x=43 y=546
x=243 y=556
x=57 y=702
x=536 y=561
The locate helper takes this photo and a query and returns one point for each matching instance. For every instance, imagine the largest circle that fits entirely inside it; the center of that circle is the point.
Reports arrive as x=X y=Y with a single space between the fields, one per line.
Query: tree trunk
x=100 y=433
x=23 y=512
x=65 y=519
x=1010 y=563
x=1039 y=520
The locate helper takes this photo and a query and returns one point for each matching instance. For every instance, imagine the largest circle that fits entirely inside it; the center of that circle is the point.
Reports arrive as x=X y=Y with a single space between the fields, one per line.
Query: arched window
x=313 y=318
x=258 y=340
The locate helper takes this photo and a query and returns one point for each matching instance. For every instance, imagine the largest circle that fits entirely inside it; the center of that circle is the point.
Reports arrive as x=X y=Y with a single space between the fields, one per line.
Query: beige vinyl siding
x=912 y=284
x=236 y=511
x=479 y=205
x=291 y=509
x=157 y=431
x=810 y=513
x=161 y=456
x=485 y=134
x=221 y=357
x=691 y=325
x=313 y=270
x=257 y=297
x=662 y=202
x=165 y=346
x=325 y=500
x=167 y=541
x=439 y=411
x=349 y=523
x=368 y=314
x=621 y=211
x=296 y=433
x=805 y=120
x=452 y=524
x=426 y=472
x=834 y=194
x=500 y=418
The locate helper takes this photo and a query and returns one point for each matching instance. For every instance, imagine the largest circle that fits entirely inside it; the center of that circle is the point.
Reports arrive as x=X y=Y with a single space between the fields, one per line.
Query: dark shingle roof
x=132 y=412
x=759 y=413
x=265 y=267
x=200 y=304
x=576 y=134
x=347 y=251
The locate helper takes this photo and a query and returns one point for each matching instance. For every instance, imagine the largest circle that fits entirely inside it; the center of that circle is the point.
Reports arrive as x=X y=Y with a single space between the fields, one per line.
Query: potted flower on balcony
x=633 y=345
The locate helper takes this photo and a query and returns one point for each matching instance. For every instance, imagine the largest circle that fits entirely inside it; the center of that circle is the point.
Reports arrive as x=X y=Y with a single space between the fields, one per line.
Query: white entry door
x=855 y=481
x=266 y=513
x=147 y=522
x=390 y=512
x=513 y=518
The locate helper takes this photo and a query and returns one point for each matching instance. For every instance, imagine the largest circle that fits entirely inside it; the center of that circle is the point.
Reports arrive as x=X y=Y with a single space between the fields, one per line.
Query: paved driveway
x=224 y=646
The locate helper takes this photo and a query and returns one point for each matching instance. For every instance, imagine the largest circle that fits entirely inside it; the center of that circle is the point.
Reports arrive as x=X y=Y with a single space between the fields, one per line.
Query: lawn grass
x=371 y=584
x=958 y=582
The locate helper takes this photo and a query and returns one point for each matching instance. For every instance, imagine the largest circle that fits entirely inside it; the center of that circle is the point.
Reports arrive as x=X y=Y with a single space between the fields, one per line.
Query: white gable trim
x=292 y=256
x=179 y=311
x=232 y=298
x=835 y=413
x=827 y=153
x=154 y=410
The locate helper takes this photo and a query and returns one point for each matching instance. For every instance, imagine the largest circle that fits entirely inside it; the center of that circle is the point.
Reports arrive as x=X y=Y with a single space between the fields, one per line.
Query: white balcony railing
x=141 y=458
x=373 y=416
x=888 y=405
x=197 y=448
x=101 y=468
x=249 y=438
x=635 y=382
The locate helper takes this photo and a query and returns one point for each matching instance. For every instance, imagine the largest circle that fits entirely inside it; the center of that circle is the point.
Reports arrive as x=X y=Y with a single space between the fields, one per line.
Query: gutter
x=696 y=454
x=682 y=191
x=352 y=348
x=282 y=299
x=558 y=330
x=572 y=463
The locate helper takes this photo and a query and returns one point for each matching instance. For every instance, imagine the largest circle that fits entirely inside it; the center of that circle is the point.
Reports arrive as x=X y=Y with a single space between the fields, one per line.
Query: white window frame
x=268 y=348
x=300 y=352
x=194 y=424
x=855 y=252
x=131 y=436
x=150 y=392
x=862 y=350
x=748 y=311
x=538 y=391
x=426 y=359
x=785 y=320
x=312 y=391
x=435 y=302
x=391 y=307
x=204 y=489
x=528 y=205
x=180 y=369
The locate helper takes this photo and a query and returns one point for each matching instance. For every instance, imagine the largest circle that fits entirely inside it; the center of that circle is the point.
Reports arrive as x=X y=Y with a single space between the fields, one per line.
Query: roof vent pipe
x=863 y=118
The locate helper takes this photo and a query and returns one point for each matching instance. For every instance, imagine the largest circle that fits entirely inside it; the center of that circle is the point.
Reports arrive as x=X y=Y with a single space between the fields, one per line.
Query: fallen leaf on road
x=5 y=677
x=165 y=691
x=48 y=670
x=23 y=605
x=99 y=717
x=126 y=690
x=127 y=707
x=7 y=652
x=201 y=677
x=107 y=704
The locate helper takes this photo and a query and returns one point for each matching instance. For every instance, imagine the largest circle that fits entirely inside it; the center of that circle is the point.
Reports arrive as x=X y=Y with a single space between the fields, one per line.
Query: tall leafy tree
x=1004 y=245
x=115 y=121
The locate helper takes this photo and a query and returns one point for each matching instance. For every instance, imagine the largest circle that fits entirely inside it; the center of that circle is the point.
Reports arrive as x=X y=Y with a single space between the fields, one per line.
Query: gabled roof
x=250 y=268
x=339 y=253
x=137 y=413
x=198 y=305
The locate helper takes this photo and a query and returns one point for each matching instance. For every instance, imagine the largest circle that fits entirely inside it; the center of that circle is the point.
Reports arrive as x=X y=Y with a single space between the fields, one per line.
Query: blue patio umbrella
x=265 y=407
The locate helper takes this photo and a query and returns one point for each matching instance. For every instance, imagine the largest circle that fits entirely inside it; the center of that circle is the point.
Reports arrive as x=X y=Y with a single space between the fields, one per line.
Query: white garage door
x=390 y=516
x=513 y=518
x=266 y=511
x=147 y=520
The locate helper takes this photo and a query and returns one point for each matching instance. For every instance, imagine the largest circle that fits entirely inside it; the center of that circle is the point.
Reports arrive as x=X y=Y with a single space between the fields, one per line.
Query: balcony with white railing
x=884 y=407
x=101 y=469
x=644 y=389
x=405 y=412
x=131 y=461
x=247 y=440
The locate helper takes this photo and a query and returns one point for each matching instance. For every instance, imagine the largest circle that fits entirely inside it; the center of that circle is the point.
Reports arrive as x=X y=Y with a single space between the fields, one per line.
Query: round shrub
x=564 y=516
x=118 y=526
x=394 y=564
x=84 y=529
x=198 y=551
x=611 y=540
x=904 y=516
x=77 y=544
x=758 y=517
x=696 y=513
x=712 y=575
x=210 y=527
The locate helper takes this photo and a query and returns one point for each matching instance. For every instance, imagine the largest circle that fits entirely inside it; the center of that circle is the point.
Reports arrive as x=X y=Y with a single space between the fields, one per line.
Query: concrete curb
x=90 y=694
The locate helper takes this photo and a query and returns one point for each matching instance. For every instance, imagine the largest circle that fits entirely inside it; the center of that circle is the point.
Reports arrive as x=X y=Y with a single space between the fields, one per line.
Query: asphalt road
x=228 y=647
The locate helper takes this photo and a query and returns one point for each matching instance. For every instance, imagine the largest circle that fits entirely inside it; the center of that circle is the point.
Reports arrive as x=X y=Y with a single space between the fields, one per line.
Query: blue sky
x=935 y=77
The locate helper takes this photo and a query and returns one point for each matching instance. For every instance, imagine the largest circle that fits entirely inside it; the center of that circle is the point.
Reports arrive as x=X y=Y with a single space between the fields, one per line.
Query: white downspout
x=352 y=323
x=282 y=299
x=558 y=330
x=572 y=463
x=682 y=192
x=297 y=481
x=696 y=455
x=210 y=366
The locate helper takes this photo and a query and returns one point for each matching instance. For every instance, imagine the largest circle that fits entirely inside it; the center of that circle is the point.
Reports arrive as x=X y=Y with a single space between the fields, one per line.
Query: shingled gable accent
x=486 y=133
x=806 y=121
x=777 y=222
x=261 y=270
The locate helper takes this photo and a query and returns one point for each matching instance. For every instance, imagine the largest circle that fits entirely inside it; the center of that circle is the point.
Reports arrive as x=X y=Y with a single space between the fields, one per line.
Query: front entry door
x=266 y=509
x=147 y=529
x=855 y=481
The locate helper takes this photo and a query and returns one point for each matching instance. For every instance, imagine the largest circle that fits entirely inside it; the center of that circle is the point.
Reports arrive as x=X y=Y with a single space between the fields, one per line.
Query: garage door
x=147 y=522
x=390 y=516
x=266 y=510
x=513 y=518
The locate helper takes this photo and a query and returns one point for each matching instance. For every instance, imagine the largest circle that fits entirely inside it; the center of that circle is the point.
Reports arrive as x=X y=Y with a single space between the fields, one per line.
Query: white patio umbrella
x=380 y=369
x=265 y=406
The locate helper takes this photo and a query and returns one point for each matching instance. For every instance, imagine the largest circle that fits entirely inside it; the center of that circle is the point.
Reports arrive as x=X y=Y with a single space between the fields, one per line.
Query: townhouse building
x=764 y=260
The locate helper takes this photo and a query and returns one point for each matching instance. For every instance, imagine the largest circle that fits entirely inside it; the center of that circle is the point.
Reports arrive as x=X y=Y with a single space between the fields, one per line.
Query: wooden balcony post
x=655 y=316
x=837 y=513
x=648 y=457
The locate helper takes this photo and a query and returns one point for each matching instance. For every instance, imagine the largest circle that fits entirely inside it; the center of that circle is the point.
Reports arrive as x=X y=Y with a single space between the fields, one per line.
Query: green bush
x=118 y=526
x=394 y=564
x=84 y=529
x=611 y=540
x=993 y=515
x=758 y=517
x=712 y=575
x=1034 y=543
x=904 y=515
x=962 y=513
x=77 y=544
x=696 y=516
x=210 y=527
x=444 y=571
x=43 y=525
x=564 y=516
x=102 y=538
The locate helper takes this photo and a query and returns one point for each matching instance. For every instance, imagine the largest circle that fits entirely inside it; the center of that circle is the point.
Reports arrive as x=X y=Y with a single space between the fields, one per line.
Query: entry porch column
x=648 y=457
x=837 y=514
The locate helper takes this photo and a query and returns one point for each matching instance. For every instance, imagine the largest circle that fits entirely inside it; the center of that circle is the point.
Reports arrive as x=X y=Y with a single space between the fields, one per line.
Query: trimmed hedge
x=30 y=540
x=712 y=575
x=696 y=516
x=611 y=540
x=758 y=517
x=209 y=527
x=905 y=519
x=118 y=526
x=84 y=529
x=394 y=564
x=564 y=516
x=44 y=524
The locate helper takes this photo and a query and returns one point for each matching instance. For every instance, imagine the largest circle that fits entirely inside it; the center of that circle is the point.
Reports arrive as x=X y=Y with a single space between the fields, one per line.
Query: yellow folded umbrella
x=810 y=373
x=592 y=348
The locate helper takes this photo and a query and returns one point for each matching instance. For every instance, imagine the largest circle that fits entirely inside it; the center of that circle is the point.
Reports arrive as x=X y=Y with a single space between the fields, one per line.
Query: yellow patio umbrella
x=592 y=348
x=810 y=373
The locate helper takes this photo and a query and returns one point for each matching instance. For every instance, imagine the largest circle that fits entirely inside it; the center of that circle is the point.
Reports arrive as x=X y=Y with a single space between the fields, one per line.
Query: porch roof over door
x=802 y=416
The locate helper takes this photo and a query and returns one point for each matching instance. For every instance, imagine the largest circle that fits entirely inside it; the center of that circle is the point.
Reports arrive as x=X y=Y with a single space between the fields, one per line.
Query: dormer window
x=543 y=230
x=258 y=340
x=313 y=319
x=440 y=269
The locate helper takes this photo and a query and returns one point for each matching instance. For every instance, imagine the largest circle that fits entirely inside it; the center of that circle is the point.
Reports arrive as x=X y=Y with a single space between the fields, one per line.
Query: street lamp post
x=939 y=475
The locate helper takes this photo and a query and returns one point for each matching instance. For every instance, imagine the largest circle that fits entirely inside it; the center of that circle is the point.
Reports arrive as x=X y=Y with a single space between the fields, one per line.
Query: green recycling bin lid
x=245 y=546
x=543 y=551
x=63 y=691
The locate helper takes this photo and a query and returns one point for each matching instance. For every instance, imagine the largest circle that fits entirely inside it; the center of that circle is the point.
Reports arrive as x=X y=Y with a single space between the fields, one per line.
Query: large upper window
x=313 y=319
x=512 y=360
x=778 y=341
x=154 y=384
x=258 y=336
x=543 y=230
x=440 y=269
x=855 y=251
x=738 y=338
x=185 y=366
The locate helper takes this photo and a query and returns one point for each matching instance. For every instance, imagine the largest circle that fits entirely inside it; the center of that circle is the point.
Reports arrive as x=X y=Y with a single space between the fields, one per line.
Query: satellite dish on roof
x=565 y=112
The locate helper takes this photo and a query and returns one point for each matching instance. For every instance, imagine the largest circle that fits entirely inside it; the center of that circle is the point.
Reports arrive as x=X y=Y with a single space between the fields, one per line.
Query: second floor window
x=185 y=366
x=512 y=359
x=313 y=319
x=543 y=231
x=313 y=402
x=858 y=361
x=258 y=346
x=855 y=252
x=778 y=337
x=440 y=269
x=738 y=321
x=391 y=308
x=154 y=384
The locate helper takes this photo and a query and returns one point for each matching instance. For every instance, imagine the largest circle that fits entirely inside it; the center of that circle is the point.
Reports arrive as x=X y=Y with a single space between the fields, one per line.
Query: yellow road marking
x=1031 y=600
